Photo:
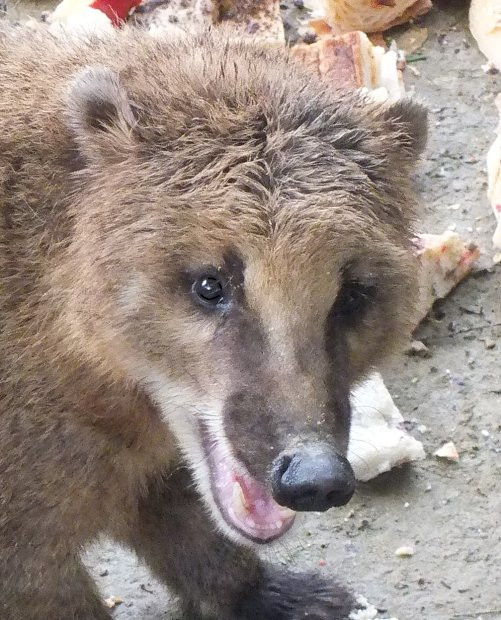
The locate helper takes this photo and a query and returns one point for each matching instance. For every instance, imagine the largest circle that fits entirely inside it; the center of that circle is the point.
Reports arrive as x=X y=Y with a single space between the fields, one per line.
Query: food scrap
x=446 y=260
x=405 y=551
x=113 y=601
x=485 y=26
x=366 y=611
x=351 y=61
x=378 y=439
x=373 y=15
x=494 y=182
x=448 y=452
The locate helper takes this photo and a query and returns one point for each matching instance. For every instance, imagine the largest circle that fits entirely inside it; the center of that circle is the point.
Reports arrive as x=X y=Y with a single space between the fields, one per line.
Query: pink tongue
x=247 y=504
x=263 y=508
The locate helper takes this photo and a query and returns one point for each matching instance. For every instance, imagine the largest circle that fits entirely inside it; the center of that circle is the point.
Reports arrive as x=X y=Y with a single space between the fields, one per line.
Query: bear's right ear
x=99 y=113
x=408 y=119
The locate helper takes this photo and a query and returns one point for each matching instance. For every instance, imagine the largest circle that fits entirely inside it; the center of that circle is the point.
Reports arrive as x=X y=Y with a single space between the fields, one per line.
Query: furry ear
x=408 y=120
x=99 y=112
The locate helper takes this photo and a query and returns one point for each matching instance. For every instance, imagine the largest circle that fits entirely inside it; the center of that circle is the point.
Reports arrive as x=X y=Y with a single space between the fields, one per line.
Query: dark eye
x=208 y=290
x=354 y=300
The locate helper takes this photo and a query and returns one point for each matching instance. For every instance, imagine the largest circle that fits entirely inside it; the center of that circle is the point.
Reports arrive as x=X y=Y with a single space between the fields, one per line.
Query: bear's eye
x=208 y=290
x=354 y=300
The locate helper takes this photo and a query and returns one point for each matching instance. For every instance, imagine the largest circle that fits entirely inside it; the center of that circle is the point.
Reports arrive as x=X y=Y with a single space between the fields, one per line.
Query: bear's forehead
x=298 y=242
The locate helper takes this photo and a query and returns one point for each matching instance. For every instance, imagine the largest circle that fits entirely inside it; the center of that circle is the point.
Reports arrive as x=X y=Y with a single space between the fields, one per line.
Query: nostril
x=340 y=495
x=284 y=465
x=331 y=497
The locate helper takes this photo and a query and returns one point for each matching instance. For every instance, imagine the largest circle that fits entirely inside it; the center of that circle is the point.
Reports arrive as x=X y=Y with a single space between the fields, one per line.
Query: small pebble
x=485 y=433
x=419 y=349
x=309 y=38
x=405 y=551
x=113 y=601
x=448 y=452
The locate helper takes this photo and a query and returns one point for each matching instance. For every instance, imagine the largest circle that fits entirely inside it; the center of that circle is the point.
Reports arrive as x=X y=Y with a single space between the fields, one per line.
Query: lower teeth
x=240 y=505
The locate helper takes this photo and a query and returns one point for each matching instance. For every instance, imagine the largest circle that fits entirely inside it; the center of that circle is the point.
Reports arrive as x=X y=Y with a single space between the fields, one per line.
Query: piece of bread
x=373 y=15
x=378 y=439
x=485 y=26
x=494 y=182
x=445 y=260
x=350 y=61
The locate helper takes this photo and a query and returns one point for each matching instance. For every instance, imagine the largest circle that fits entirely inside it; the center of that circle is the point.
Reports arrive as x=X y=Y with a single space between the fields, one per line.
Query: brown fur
x=106 y=210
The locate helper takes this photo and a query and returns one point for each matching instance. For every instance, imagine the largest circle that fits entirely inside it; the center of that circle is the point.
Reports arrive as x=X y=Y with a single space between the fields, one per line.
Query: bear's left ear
x=407 y=120
x=99 y=113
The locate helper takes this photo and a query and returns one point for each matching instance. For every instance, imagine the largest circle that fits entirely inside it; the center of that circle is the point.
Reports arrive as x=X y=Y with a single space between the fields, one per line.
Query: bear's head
x=242 y=254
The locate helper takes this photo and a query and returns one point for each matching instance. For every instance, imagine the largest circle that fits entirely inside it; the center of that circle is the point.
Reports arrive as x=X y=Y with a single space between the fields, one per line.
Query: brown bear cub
x=202 y=251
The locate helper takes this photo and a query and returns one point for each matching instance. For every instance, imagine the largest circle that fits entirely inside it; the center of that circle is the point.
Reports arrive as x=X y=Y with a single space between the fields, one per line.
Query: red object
x=117 y=11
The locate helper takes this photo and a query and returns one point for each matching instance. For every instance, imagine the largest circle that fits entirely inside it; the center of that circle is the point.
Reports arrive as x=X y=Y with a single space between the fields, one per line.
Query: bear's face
x=245 y=266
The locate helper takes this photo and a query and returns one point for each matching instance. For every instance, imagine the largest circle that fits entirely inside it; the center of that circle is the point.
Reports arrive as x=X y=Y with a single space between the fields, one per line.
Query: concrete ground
x=450 y=513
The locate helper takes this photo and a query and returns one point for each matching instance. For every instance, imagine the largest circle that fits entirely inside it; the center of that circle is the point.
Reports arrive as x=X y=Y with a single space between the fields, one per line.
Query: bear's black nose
x=314 y=478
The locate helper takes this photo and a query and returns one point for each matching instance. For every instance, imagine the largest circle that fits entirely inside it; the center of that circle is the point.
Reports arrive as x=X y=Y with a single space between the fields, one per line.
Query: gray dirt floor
x=450 y=512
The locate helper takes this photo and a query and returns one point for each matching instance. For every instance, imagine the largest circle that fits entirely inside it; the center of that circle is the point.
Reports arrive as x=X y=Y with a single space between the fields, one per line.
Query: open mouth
x=245 y=504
